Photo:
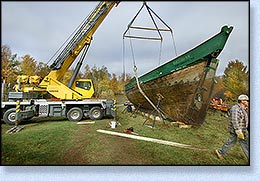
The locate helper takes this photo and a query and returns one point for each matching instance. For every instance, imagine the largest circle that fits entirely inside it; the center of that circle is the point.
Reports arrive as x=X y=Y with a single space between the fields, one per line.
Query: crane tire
x=75 y=114
x=96 y=113
x=9 y=116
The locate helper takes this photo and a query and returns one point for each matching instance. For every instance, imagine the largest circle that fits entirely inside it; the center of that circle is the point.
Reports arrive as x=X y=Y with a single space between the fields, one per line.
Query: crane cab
x=84 y=87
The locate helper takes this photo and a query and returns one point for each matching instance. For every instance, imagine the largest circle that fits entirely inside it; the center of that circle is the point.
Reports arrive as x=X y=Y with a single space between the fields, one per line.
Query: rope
x=124 y=76
x=174 y=45
x=142 y=92
x=132 y=49
x=160 y=53
x=136 y=77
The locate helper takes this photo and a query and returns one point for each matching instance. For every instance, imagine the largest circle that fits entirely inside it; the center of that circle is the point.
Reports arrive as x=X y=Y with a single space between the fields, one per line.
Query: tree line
x=235 y=80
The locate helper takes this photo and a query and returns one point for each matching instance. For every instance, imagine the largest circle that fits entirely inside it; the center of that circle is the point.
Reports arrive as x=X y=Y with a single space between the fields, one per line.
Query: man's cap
x=243 y=97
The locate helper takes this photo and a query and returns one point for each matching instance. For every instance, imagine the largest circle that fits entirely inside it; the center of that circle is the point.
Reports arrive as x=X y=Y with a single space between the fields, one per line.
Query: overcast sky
x=45 y=25
x=40 y=28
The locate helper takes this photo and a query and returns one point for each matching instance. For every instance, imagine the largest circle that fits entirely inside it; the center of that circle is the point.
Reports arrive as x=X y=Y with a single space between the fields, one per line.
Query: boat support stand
x=135 y=111
x=156 y=112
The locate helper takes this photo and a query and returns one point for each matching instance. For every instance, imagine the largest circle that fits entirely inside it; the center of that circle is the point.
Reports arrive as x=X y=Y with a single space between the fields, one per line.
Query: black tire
x=95 y=113
x=75 y=114
x=9 y=116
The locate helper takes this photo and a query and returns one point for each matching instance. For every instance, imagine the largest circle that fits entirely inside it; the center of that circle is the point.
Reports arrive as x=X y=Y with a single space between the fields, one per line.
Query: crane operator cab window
x=83 y=84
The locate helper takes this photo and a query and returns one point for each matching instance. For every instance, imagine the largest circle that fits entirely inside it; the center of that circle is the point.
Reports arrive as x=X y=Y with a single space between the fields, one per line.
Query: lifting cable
x=137 y=81
x=130 y=26
x=169 y=28
x=159 y=30
x=150 y=11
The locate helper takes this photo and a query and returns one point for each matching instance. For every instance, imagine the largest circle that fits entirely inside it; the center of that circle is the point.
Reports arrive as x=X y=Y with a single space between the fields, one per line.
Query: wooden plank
x=91 y=122
x=151 y=140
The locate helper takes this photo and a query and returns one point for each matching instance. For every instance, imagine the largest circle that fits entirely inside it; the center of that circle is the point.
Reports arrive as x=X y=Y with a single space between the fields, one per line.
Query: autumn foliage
x=236 y=79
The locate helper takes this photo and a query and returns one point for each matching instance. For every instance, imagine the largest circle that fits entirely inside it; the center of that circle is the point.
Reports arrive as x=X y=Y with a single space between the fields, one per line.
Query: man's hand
x=241 y=136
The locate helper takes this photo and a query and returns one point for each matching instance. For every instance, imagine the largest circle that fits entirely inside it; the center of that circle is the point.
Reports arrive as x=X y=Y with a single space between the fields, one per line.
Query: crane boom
x=81 y=38
x=77 y=89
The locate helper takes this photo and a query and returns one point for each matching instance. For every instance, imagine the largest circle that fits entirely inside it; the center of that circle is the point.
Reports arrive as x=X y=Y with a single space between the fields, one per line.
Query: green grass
x=39 y=144
x=49 y=141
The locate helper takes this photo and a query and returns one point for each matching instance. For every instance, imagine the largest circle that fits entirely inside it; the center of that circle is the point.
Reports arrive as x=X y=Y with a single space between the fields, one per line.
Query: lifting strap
x=130 y=26
x=137 y=81
x=145 y=96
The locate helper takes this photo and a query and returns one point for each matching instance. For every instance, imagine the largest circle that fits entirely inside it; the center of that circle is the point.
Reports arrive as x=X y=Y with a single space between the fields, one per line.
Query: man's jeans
x=232 y=140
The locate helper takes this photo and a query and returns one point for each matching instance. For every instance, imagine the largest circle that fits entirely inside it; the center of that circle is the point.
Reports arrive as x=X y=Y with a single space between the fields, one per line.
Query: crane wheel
x=9 y=116
x=96 y=113
x=75 y=114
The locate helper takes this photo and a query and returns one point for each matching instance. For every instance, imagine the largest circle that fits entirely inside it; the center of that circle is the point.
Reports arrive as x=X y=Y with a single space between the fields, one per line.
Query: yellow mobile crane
x=81 y=40
x=74 y=102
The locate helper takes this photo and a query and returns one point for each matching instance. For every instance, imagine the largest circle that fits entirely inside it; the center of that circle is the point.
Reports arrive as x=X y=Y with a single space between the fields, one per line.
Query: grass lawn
x=56 y=141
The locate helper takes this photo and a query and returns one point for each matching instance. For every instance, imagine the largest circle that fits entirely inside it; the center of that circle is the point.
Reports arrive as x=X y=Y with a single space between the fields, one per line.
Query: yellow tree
x=42 y=69
x=9 y=65
x=9 y=71
x=235 y=80
x=123 y=80
x=101 y=81
x=219 y=88
x=28 y=65
x=103 y=89
x=114 y=84
x=88 y=72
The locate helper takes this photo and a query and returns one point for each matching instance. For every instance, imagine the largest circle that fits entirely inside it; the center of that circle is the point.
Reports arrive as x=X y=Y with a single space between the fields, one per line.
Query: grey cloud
x=40 y=28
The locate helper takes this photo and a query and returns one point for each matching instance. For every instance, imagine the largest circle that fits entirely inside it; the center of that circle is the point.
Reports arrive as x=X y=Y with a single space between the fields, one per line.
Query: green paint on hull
x=212 y=47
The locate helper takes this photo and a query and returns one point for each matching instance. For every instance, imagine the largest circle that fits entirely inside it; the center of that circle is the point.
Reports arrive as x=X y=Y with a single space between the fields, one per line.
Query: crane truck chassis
x=73 y=110
x=75 y=99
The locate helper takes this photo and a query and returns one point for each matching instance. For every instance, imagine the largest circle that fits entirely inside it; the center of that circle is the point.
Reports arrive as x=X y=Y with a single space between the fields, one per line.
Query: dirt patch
x=76 y=154
x=109 y=150
x=121 y=151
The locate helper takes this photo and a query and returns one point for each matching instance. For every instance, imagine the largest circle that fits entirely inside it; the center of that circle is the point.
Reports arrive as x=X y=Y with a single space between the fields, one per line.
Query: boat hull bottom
x=181 y=96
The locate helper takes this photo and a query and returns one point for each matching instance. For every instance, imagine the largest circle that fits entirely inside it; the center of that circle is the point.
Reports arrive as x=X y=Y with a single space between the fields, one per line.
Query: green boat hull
x=183 y=85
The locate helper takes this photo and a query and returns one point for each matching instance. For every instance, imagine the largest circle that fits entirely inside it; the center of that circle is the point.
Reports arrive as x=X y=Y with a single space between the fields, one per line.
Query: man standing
x=237 y=127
